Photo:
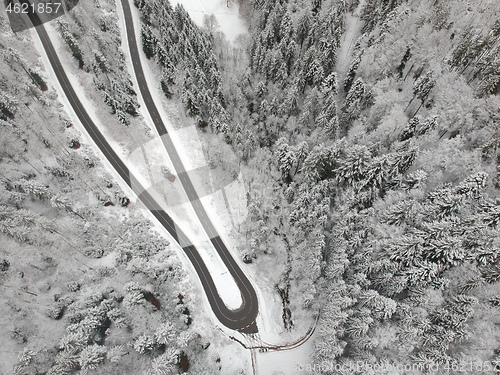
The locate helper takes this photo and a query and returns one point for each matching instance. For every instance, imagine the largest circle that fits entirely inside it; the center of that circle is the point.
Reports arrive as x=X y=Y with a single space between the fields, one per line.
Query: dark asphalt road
x=241 y=319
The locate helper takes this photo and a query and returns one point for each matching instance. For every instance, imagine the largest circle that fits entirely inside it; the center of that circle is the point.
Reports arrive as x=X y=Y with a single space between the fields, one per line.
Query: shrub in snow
x=94 y=299
x=185 y=337
x=134 y=295
x=75 y=316
x=165 y=364
x=56 y=310
x=118 y=318
x=114 y=314
x=34 y=188
x=60 y=201
x=26 y=356
x=74 y=341
x=66 y=360
x=94 y=252
x=19 y=335
x=144 y=344
x=8 y=106
x=57 y=370
x=4 y=265
x=247 y=258
x=73 y=286
x=124 y=201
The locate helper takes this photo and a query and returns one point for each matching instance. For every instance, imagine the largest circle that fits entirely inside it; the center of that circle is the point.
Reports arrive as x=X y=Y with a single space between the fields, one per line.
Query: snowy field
x=225 y=11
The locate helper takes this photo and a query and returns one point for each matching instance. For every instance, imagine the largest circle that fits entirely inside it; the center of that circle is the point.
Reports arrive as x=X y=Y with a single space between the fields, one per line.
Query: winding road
x=241 y=319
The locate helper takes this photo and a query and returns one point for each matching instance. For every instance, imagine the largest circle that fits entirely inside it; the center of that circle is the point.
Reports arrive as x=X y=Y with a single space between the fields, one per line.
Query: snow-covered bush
x=55 y=311
x=133 y=296
x=144 y=344
x=165 y=364
x=73 y=286
x=26 y=356
x=66 y=360
x=165 y=333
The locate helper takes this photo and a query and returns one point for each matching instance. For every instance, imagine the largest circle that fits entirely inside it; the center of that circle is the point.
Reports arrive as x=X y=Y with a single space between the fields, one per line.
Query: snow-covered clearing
x=353 y=26
x=225 y=11
x=289 y=362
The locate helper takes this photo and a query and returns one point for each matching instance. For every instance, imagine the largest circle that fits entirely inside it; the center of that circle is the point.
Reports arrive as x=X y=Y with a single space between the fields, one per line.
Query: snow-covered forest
x=368 y=132
x=88 y=284
x=375 y=125
x=380 y=123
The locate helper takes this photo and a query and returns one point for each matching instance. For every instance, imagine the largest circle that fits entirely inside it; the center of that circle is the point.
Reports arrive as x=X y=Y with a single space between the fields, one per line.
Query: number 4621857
x=34 y=8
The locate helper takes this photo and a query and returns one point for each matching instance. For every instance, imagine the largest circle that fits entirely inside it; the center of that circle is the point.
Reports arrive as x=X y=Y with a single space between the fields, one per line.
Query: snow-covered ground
x=353 y=26
x=289 y=362
x=225 y=11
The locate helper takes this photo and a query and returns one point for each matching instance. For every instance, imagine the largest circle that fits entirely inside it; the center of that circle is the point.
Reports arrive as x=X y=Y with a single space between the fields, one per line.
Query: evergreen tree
x=351 y=107
x=422 y=88
x=410 y=129
x=352 y=168
x=144 y=344
x=303 y=26
x=165 y=334
x=92 y=356
x=330 y=84
x=351 y=74
x=286 y=158
x=310 y=108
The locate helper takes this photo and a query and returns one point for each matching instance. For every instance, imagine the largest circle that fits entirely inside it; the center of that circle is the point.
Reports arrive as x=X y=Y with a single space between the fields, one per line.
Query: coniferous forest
x=376 y=126
x=386 y=151
x=369 y=136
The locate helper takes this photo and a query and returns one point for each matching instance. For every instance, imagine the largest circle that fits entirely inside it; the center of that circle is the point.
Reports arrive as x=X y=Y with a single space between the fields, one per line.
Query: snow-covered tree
x=144 y=344
x=92 y=356
x=165 y=333
x=115 y=353
x=351 y=107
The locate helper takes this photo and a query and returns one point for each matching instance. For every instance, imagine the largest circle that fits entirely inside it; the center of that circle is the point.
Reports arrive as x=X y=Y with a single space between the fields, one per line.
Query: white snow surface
x=290 y=362
x=353 y=26
x=228 y=19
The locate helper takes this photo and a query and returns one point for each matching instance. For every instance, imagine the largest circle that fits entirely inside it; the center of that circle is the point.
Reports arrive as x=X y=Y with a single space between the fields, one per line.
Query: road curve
x=241 y=319
x=249 y=297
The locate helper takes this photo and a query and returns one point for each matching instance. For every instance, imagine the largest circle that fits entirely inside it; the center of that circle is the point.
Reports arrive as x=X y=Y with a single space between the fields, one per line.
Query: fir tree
x=351 y=107
x=165 y=334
